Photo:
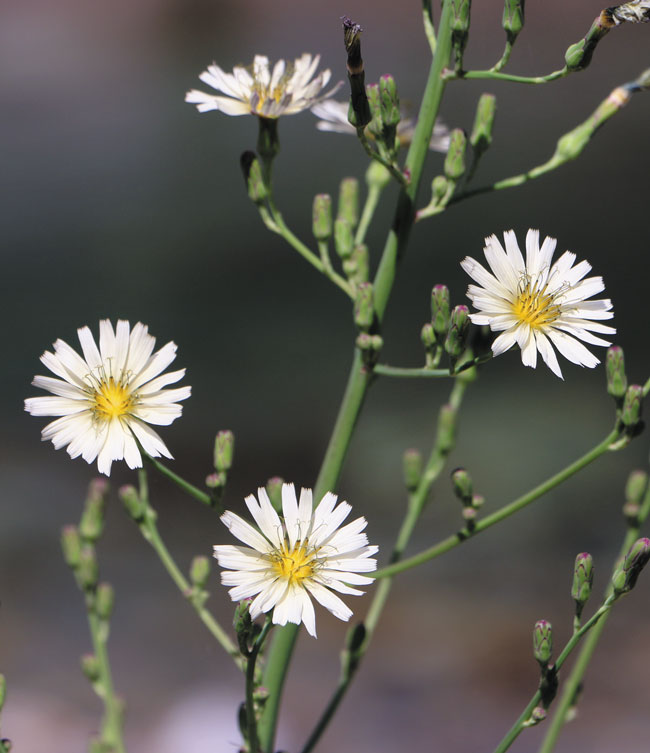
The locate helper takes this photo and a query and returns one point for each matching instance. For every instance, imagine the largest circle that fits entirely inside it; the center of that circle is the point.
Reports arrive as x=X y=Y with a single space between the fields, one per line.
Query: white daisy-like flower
x=106 y=399
x=334 y=118
x=290 y=558
x=289 y=88
x=536 y=304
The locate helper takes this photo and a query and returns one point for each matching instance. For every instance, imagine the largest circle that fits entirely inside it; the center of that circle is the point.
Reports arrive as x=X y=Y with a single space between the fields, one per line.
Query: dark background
x=120 y=201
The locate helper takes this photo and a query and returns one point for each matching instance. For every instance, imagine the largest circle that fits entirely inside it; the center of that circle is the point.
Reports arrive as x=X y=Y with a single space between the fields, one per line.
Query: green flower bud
x=543 y=642
x=469 y=516
x=579 y=55
x=200 y=571
x=364 y=341
x=615 y=369
x=268 y=143
x=439 y=189
x=348 y=205
x=635 y=560
x=458 y=331
x=343 y=238
x=460 y=14
x=361 y=262
x=513 y=18
x=90 y=667
x=481 y=137
x=463 y=487
x=412 y=464
x=3 y=691
x=446 y=433
x=104 y=601
x=636 y=487
x=377 y=176
x=255 y=186
x=88 y=570
x=216 y=480
x=428 y=336
x=71 y=546
x=132 y=502
x=359 y=112
x=440 y=310
x=322 y=217
x=455 y=159
x=274 y=490
x=389 y=100
x=478 y=500
x=364 y=310
x=583 y=578
x=376 y=125
x=92 y=519
x=632 y=404
x=244 y=626
x=224 y=447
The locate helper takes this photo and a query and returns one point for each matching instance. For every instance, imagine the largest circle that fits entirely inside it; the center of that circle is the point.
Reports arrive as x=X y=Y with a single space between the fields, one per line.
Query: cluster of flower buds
x=384 y=105
x=464 y=490
x=364 y=316
x=224 y=448
x=448 y=329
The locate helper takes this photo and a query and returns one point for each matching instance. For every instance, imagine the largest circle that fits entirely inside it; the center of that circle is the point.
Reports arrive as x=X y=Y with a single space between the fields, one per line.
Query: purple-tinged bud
x=428 y=336
x=615 y=369
x=92 y=518
x=200 y=571
x=440 y=310
x=224 y=447
x=478 y=500
x=274 y=490
x=583 y=578
x=348 y=205
x=412 y=464
x=632 y=405
x=131 y=501
x=625 y=577
x=322 y=217
x=364 y=307
x=389 y=100
x=90 y=667
x=71 y=546
x=543 y=642
x=376 y=125
x=216 y=480
x=457 y=333
x=463 y=487
x=104 y=601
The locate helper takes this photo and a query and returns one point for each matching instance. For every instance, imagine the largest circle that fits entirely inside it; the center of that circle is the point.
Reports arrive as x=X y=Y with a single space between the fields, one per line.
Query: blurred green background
x=120 y=201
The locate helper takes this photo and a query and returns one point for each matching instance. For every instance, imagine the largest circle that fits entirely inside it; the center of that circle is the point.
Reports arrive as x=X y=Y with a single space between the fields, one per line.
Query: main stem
x=359 y=379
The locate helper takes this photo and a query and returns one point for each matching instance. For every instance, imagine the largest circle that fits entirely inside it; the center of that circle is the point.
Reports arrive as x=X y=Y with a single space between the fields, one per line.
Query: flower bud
x=440 y=310
x=446 y=430
x=71 y=546
x=632 y=404
x=636 y=487
x=377 y=176
x=343 y=238
x=274 y=490
x=224 y=447
x=376 y=125
x=359 y=112
x=90 y=667
x=132 y=502
x=460 y=12
x=625 y=577
x=322 y=217
x=481 y=137
x=615 y=369
x=543 y=642
x=359 y=264
x=364 y=310
x=462 y=483
x=348 y=206
x=92 y=519
x=428 y=336
x=469 y=516
x=243 y=625
x=3 y=691
x=88 y=570
x=458 y=331
x=216 y=480
x=579 y=55
x=513 y=18
x=389 y=100
x=583 y=578
x=255 y=186
x=478 y=500
x=412 y=464
x=455 y=159
x=104 y=601
x=200 y=571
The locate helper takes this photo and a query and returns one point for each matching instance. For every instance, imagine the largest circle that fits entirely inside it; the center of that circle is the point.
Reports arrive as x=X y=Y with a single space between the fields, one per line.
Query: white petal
x=329 y=600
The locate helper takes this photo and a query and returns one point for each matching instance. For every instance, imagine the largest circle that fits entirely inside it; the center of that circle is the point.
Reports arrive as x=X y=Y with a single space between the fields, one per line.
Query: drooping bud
x=348 y=206
x=359 y=112
x=255 y=186
x=615 y=369
x=513 y=18
x=543 y=642
x=481 y=136
x=274 y=490
x=224 y=447
x=104 y=600
x=131 y=501
x=364 y=309
x=463 y=487
x=583 y=578
x=455 y=159
x=71 y=546
x=412 y=464
x=625 y=577
x=457 y=333
x=440 y=310
x=632 y=404
x=446 y=430
x=200 y=571
x=322 y=217
x=343 y=238
x=90 y=667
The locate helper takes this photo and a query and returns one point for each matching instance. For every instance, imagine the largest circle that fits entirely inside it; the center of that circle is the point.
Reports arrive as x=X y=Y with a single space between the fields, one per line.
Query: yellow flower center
x=296 y=564
x=111 y=400
x=535 y=306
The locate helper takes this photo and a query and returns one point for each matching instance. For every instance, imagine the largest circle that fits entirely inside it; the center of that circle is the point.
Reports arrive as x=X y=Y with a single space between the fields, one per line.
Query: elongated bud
x=390 y=111
x=615 y=369
x=636 y=487
x=71 y=546
x=632 y=404
x=255 y=186
x=359 y=112
x=364 y=309
x=274 y=490
x=583 y=578
x=348 y=206
x=455 y=159
x=200 y=571
x=343 y=238
x=481 y=137
x=440 y=310
x=360 y=261
x=322 y=217
x=463 y=487
x=90 y=667
x=92 y=518
x=636 y=559
x=513 y=18
x=224 y=447
x=268 y=143
x=104 y=601
x=446 y=430
x=88 y=570
x=460 y=10
x=458 y=331
x=131 y=501
x=412 y=464
x=543 y=642
x=376 y=125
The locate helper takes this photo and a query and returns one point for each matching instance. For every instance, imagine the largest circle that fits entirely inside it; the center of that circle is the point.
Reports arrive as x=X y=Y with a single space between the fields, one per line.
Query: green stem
x=251 y=721
x=496 y=76
x=451 y=542
x=149 y=530
x=192 y=490
x=372 y=199
x=392 y=166
x=504 y=58
x=408 y=373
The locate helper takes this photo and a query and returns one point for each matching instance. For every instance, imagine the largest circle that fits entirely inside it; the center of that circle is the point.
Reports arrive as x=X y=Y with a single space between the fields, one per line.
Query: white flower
x=334 y=118
x=288 y=559
x=288 y=89
x=106 y=399
x=536 y=304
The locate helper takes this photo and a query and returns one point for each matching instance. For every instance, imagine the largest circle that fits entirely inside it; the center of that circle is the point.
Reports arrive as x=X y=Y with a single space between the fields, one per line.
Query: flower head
x=106 y=399
x=257 y=90
x=535 y=304
x=334 y=118
x=290 y=558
